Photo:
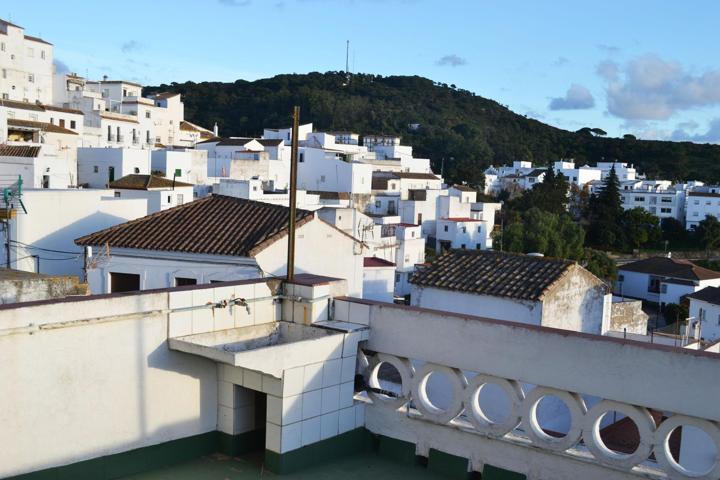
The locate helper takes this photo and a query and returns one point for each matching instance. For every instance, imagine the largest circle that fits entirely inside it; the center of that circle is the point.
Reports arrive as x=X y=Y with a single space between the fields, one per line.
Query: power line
x=25 y=245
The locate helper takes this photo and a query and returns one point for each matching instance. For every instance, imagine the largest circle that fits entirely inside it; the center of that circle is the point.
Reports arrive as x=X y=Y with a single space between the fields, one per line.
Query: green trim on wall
x=348 y=443
x=497 y=473
x=235 y=445
x=131 y=462
x=447 y=465
x=396 y=450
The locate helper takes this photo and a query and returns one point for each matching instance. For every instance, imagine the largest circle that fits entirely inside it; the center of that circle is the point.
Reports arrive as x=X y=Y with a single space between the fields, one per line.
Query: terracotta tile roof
x=670 y=267
x=47 y=127
x=464 y=188
x=330 y=195
x=19 y=151
x=211 y=140
x=35 y=107
x=373 y=262
x=36 y=39
x=703 y=194
x=61 y=109
x=215 y=225
x=191 y=127
x=164 y=95
x=495 y=274
x=416 y=176
x=10 y=24
x=462 y=219
x=270 y=142
x=145 y=182
x=707 y=294
x=234 y=142
x=120 y=117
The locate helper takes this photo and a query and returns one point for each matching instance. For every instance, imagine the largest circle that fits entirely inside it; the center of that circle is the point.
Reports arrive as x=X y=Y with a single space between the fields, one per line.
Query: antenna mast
x=347 y=58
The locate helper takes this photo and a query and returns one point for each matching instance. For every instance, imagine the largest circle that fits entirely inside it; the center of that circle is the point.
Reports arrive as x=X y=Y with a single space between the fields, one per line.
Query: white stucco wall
x=56 y=218
x=710 y=326
x=471 y=304
x=379 y=283
x=125 y=161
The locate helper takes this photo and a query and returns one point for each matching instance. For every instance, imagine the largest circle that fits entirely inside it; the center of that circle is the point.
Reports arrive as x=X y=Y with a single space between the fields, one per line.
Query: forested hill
x=454 y=123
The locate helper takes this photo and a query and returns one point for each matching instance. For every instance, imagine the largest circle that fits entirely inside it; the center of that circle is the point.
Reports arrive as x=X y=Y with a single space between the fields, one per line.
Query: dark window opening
x=181 y=282
x=124 y=282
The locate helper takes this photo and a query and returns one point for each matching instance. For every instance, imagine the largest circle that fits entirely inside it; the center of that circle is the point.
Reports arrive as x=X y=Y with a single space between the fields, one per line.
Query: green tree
x=605 y=230
x=640 y=227
x=551 y=234
x=550 y=195
x=708 y=233
x=600 y=264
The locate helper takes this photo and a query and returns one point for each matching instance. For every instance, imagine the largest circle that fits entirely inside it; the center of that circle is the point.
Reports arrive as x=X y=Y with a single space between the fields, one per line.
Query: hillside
x=474 y=131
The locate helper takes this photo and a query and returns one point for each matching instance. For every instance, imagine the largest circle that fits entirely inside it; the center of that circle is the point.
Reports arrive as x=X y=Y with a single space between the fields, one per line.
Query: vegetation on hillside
x=457 y=128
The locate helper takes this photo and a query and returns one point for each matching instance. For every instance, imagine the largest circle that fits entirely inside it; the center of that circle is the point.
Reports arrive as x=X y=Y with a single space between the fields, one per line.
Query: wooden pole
x=293 y=194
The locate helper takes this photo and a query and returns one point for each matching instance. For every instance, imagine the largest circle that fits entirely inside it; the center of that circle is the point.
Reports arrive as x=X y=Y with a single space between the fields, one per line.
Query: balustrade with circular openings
x=585 y=425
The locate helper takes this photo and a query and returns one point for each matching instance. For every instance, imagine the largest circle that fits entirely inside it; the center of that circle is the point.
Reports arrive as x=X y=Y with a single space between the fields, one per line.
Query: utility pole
x=347 y=58
x=293 y=194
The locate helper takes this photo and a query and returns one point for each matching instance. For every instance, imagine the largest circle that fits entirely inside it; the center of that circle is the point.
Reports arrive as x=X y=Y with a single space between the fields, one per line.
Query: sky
x=648 y=68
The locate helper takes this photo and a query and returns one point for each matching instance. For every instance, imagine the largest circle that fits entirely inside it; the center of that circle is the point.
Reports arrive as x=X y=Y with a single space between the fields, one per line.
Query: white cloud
x=576 y=98
x=451 y=61
x=712 y=135
x=131 y=46
x=651 y=88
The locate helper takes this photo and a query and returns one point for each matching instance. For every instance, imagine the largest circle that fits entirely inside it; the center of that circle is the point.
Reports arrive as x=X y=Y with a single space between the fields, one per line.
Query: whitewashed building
x=702 y=202
x=160 y=193
x=663 y=280
x=517 y=288
x=216 y=239
x=704 y=313
x=579 y=176
x=97 y=167
x=26 y=65
x=657 y=197
x=45 y=235
x=186 y=164
x=378 y=279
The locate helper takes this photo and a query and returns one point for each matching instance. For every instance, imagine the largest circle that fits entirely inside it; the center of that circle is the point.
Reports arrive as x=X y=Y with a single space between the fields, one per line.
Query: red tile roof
x=19 y=151
x=494 y=274
x=462 y=219
x=670 y=267
x=47 y=127
x=215 y=225
x=377 y=262
x=145 y=182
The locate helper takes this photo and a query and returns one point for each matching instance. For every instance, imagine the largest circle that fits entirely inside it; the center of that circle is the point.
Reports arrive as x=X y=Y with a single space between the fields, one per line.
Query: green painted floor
x=221 y=467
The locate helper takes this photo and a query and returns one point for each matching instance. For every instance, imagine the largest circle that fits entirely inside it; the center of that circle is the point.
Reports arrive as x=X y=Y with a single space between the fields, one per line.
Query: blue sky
x=644 y=67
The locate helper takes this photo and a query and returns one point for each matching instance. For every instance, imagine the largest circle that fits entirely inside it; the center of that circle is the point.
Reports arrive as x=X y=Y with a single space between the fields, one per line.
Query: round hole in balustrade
x=439 y=390
x=387 y=379
x=692 y=451
x=617 y=433
x=552 y=416
x=492 y=402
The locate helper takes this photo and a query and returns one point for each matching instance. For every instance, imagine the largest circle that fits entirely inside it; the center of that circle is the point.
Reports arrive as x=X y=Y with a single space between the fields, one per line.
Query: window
x=124 y=282
x=2 y=47
x=322 y=178
x=73 y=125
x=96 y=169
x=31 y=78
x=4 y=73
x=136 y=170
x=42 y=54
x=254 y=188
x=169 y=199
x=180 y=199
x=666 y=199
x=30 y=52
x=46 y=181
x=181 y=282
x=445 y=228
x=479 y=229
x=378 y=204
x=147 y=114
x=5 y=96
x=147 y=136
x=462 y=246
x=621 y=278
x=62 y=123
x=397 y=278
x=697 y=202
x=639 y=199
x=109 y=132
x=666 y=210
x=464 y=230
x=118 y=133
x=695 y=214
x=117 y=194
x=301 y=159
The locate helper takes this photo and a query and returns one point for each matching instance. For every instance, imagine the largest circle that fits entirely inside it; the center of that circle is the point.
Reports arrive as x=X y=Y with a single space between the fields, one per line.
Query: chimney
x=216 y=131
x=105 y=77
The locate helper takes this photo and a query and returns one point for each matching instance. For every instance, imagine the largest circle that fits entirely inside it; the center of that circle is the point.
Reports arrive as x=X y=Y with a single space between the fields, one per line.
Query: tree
x=708 y=233
x=600 y=264
x=640 y=227
x=538 y=231
x=550 y=195
x=605 y=230
x=598 y=131
x=629 y=137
